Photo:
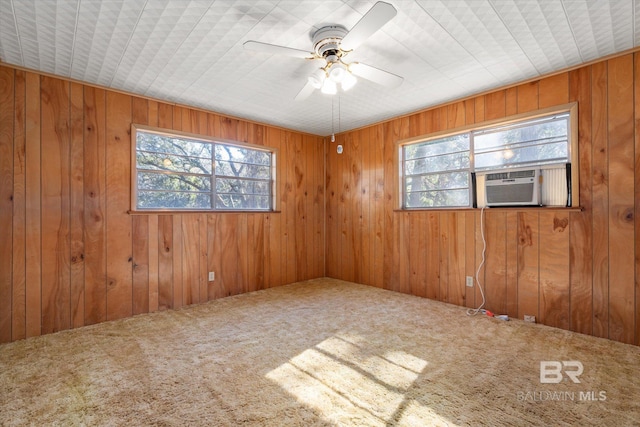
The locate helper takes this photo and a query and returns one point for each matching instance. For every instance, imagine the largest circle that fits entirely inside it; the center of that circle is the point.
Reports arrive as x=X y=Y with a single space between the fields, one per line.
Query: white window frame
x=135 y=129
x=572 y=141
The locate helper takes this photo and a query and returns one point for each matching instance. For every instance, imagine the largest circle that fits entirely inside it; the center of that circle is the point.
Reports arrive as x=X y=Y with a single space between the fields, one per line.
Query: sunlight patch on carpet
x=346 y=382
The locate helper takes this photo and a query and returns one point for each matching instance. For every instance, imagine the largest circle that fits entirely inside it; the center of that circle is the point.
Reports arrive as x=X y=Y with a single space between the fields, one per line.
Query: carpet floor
x=318 y=353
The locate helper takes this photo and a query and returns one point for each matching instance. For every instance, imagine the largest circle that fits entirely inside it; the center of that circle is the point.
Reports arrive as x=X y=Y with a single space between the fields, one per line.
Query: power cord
x=480 y=309
x=474 y=311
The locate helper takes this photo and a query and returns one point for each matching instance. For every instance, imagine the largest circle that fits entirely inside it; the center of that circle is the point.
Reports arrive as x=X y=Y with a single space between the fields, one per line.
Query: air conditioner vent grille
x=496 y=176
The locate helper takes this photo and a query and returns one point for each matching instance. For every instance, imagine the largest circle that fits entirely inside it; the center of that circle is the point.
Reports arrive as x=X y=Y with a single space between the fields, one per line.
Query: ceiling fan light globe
x=329 y=87
x=349 y=81
x=317 y=78
x=337 y=73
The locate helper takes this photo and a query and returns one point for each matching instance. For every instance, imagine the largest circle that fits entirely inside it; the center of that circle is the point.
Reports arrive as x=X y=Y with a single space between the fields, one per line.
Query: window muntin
x=437 y=172
x=176 y=172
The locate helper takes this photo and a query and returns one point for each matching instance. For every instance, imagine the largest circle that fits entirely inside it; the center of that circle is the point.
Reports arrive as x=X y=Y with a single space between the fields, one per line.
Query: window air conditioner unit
x=513 y=188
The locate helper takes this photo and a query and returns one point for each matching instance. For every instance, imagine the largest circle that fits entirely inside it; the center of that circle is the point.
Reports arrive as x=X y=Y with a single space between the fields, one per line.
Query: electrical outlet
x=529 y=318
x=469 y=281
x=212 y=276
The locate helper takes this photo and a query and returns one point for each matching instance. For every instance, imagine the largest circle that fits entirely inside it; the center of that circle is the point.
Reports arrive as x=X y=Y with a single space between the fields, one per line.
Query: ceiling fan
x=332 y=43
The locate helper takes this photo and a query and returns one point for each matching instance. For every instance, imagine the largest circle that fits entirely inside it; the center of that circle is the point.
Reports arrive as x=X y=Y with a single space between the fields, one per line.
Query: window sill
x=181 y=212
x=499 y=208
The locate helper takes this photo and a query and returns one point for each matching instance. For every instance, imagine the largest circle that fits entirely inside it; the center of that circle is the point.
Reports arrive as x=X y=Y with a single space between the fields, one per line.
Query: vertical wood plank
x=300 y=221
x=178 y=272
x=528 y=96
x=512 y=264
x=528 y=264
x=227 y=248
x=242 y=249
x=119 y=236
x=479 y=109
x=331 y=210
x=140 y=284
x=418 y=254
x=636 y=87
x=7 y=113
x=600 y=191
x=456 y=115
x=95 y=272
x=495 y=284
x=511 y=101
x=18 y=308
x=203 y=234
x=432 y=241
x=452 y=280
x=355 y=179
x=495 y=105
x=554 y=90
x=153 y=263
x=554 y=269
x=165 y=262
x=581 y=242
x=191 y=259
x=621 y=200
x=378 y=206
x=444 y=241
x=214 y=254
x=470 y=258
x=140 y=230
x=56 y=304
x=76 y=129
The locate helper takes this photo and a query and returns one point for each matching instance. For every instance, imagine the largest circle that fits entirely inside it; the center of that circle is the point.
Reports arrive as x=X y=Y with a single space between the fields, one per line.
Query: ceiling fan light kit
x=332 y=43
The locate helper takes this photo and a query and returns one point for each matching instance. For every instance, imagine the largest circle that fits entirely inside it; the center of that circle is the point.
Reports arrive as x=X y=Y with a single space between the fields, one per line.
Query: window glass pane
x=242 y=170
x=151 y=181
x=536 y=142
x=440 y=181
x=173 y=200
x=435 y=147
x=238 y=186
x=249 y=202
x=438 y=199
x=243 y=155
x=172 y=145
x=447 y=162
x=168 y=162
x=539 y=155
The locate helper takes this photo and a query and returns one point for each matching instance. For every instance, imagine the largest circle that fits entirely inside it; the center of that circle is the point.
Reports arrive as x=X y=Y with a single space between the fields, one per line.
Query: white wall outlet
x=212 y=276
x=469 y=281
x=529 y=318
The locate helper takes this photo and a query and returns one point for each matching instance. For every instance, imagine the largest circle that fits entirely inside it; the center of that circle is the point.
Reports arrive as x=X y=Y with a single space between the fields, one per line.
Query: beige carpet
x=322 y=352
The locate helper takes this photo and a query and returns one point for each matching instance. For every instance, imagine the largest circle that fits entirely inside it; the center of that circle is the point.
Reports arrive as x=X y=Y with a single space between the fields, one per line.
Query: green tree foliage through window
x=180 y=173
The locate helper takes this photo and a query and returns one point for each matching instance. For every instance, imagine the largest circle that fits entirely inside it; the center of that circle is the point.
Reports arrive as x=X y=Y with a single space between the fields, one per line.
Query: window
x=173 y=171
x=437 y=172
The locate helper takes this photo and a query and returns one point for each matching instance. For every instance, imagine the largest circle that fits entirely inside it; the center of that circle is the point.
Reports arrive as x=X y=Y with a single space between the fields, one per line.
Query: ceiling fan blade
x=277 y=50
x=372 y=21
x=376 y=75
x=305 y=92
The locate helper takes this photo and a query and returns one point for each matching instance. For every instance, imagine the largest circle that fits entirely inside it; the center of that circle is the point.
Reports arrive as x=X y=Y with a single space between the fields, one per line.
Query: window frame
x=274 y=152
x=571 y=109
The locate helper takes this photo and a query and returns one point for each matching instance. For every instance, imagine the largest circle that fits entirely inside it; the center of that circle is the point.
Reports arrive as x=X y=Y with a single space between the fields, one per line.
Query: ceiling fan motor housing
x=326 y=42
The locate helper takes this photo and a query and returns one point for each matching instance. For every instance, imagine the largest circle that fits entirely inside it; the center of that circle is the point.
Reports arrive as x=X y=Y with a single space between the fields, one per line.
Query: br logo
x=552 y=371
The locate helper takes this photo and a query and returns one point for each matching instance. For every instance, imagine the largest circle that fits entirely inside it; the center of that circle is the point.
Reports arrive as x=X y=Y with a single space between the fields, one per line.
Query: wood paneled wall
x=576 y=270
x=72 y=255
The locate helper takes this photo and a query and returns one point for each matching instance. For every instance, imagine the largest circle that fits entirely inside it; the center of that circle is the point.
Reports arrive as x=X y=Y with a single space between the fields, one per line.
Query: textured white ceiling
x=191 y=52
